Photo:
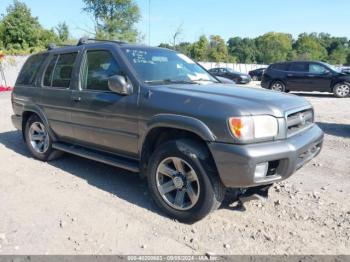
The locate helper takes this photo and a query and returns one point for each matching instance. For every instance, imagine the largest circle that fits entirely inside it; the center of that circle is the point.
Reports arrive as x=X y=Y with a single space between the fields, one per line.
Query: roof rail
x=86 y=40
x=53 y=46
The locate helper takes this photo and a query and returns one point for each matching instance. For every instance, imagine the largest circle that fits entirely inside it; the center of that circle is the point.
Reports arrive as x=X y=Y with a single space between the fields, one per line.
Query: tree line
x=21 y=33
x=268 y=48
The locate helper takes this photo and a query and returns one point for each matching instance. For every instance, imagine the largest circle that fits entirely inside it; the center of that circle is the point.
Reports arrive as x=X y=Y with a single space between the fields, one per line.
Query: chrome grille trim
x=298 y=121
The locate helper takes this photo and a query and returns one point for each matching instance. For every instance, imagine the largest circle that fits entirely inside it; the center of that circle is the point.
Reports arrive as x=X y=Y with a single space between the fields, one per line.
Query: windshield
x=162 y=66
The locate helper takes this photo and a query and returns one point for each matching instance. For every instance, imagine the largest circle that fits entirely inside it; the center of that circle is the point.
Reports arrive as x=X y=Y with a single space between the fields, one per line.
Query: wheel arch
x=163 y=128
x=28 y=112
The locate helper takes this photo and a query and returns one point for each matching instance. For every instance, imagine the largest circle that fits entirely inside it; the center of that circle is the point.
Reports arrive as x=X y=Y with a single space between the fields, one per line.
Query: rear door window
x=59 y=72
x=299 y=67
x=31 y=69
x=280 y=67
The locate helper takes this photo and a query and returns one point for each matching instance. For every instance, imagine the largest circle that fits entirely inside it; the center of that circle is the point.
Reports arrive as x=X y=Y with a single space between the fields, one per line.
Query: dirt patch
x=77 y=206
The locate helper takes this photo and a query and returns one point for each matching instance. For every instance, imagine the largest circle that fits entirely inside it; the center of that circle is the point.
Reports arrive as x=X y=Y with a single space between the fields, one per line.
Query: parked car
x=155 y=112
x=238 y=77
x=225 y=81
x=306 y=76
x=256 y=74
x=346 y=69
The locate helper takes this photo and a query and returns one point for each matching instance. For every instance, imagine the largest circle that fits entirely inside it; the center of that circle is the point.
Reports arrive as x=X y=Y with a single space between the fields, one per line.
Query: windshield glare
x=159 y=66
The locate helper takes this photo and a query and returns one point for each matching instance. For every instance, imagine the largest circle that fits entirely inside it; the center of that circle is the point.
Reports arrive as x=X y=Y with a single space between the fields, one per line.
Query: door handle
x=76 y=99
x=290 y=75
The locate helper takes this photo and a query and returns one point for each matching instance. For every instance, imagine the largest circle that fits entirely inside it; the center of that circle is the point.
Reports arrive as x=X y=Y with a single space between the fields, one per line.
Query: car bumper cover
x=237 y=164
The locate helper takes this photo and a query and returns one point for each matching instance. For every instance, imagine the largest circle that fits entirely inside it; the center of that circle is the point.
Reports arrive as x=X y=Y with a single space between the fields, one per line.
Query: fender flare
x=185 y=123
x=38 y=111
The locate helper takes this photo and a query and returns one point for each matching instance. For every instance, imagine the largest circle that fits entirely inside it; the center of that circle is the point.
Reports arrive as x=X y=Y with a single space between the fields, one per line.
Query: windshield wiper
x=170 y=81
x=204 y=80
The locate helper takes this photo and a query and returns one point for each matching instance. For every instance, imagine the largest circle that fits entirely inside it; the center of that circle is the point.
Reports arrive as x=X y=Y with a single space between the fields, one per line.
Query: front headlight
x=250 y=128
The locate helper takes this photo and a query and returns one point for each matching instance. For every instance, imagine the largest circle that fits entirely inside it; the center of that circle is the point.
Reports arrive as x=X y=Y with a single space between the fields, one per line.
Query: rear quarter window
x=280 y=67
x=31 y=69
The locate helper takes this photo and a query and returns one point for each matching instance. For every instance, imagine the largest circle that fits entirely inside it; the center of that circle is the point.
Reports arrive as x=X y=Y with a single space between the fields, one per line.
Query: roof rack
x=86 y=40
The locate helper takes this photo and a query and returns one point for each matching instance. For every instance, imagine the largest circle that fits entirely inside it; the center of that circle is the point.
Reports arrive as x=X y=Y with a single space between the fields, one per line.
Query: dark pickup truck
x=155 y=112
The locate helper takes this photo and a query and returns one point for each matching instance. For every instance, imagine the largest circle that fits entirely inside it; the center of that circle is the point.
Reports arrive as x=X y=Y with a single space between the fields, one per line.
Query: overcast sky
x=245 y=18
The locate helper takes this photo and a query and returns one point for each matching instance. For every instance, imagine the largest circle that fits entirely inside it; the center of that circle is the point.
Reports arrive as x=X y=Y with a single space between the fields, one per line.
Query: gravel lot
x=76 y=206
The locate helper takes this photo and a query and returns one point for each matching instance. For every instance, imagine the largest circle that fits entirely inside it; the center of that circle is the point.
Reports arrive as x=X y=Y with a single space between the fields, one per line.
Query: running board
x=106 y=158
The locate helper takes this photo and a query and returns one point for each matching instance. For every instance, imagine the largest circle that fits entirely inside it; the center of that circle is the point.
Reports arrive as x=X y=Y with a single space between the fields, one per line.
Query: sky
x=227 y=18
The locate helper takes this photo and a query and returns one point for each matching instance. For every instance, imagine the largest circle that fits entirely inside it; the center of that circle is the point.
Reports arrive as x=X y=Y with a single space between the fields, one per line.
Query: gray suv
x=155 y=112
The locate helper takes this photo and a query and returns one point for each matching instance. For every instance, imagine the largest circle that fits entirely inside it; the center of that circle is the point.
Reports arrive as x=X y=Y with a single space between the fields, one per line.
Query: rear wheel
x=278 y=86
x=38 y=140
x=183 y=180
x=341 y=90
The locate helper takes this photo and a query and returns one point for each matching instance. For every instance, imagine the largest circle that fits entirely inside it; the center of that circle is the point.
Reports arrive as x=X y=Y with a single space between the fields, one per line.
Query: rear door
x=55 y=93
x=103 y=119
x=297 y=76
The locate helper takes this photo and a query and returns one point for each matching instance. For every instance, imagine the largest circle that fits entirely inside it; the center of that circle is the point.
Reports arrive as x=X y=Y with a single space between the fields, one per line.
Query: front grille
x=296 y=122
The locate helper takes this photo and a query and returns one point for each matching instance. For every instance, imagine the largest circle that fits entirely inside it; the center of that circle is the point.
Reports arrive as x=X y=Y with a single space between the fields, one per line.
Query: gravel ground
x=77 y=206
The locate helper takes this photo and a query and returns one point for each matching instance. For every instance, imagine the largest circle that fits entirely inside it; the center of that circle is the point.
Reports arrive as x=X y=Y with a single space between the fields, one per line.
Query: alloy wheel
x=343 y=90
x=277 y=87
x=39 y=138
x=177 y=183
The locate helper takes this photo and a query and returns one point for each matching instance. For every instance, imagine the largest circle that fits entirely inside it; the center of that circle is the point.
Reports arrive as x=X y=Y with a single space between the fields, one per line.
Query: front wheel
x=183 y=180
x=342 y=90
x=278 y=86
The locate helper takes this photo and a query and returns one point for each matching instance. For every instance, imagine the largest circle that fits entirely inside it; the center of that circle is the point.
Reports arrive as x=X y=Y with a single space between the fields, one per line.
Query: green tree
x=217 y=49
x=114 y=19
x=62 y=31
x=274 y=47
x=338 y=56
x=348 y=59
x=244 y=50
x=20 y=30
x=184 y=48
x=199 y=50
x=309 y=47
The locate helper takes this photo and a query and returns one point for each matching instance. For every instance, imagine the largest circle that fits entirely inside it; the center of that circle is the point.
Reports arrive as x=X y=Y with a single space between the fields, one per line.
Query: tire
x=278 y=86
x=191 y=196
x=341 y=90
x=40 y=148
x=255 y=78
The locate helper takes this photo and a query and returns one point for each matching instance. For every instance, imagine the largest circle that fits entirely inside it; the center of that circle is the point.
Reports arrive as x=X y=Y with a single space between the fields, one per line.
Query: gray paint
x=119 y=124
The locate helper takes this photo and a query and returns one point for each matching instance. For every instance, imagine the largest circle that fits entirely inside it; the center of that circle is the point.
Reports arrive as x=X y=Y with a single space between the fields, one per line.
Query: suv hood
x=243 y=100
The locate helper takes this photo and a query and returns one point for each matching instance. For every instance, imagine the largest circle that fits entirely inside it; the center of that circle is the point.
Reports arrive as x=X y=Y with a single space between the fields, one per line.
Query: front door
x=103 y=119
x=320 y=77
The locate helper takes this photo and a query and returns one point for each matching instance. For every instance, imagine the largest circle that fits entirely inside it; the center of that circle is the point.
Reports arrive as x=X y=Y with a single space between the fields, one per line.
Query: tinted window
x=49 y=71
x=281 y=67
x=299 y=67
x=317 y=69
x=63 y=70
x=30 y=69
x=99 y=66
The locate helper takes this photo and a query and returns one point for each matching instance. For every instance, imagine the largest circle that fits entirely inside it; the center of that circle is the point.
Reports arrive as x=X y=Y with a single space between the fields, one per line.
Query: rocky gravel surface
x=77 y=206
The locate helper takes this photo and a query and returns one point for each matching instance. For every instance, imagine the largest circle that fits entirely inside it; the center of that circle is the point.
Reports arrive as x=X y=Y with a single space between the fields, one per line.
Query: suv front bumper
x=237 y=164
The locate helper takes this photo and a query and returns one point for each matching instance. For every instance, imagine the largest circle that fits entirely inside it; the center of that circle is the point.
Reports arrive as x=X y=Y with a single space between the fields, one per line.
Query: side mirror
x=119 y=85
x=327 y=72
